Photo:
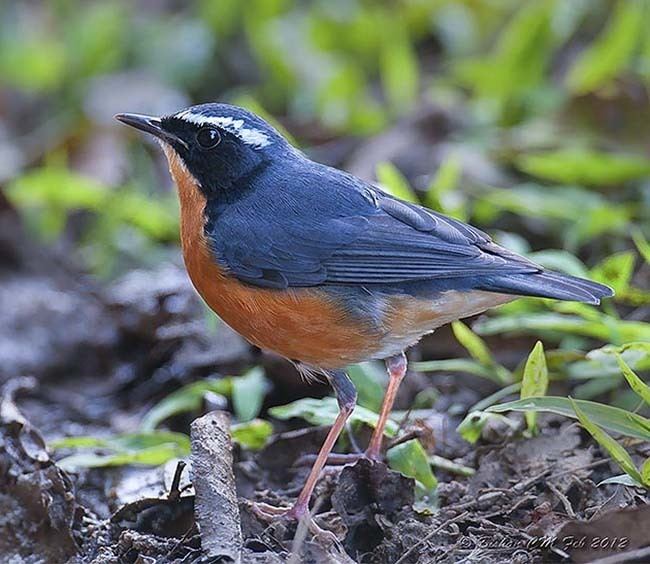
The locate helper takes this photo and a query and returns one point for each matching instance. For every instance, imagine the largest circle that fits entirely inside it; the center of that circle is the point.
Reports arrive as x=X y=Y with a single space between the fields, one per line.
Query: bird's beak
x=149 y=124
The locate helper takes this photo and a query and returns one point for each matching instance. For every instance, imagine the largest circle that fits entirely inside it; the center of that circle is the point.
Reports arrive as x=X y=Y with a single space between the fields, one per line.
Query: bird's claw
x=269 y=513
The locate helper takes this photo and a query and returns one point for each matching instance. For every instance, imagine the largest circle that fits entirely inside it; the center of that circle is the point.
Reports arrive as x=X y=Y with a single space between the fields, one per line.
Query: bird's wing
x=344 y=236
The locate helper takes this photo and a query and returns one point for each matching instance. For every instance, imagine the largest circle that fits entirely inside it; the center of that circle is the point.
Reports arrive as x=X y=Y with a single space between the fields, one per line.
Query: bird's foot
x=297 y=512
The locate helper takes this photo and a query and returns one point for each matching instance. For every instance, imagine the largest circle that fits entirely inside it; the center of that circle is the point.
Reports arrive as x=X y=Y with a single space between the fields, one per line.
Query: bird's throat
x=191 y=198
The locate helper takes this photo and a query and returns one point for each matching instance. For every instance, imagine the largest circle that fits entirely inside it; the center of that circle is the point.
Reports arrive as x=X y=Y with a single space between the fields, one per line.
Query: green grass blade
x=147 y=449
x=394 y=182
x=410 y=459
x=187 y=398
x=639 y=386
x=606 y=329
x=642 y=244
x=479 y=351
x=324 y=411
x=615 y=450
x=645 y=471
x=251 y=434
x=611 y=418
x=621 y=479
x=535 y=381
x=369 y=379
x=248 y=391
x=457 y=365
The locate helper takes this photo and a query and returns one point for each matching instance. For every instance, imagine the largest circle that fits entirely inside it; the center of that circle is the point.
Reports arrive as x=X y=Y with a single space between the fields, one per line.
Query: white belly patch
x=408 y=319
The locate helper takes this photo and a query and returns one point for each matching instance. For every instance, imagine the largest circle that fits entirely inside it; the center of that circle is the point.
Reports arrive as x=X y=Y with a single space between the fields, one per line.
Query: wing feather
x=346 y=232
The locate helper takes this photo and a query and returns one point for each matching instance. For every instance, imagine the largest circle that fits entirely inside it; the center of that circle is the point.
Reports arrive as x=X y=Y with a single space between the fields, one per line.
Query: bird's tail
x=548 y=284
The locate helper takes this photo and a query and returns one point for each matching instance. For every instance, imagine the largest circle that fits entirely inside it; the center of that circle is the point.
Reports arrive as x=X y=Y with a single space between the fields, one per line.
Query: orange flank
x=299 y=324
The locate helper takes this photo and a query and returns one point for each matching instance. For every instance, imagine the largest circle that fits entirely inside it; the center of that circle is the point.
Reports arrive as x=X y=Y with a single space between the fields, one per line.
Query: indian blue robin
x=321 y=267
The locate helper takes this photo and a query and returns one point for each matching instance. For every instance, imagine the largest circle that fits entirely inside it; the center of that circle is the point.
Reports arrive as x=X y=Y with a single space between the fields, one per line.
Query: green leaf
x=186 y=399
x=399 y=72
x=472 y=426
x=479 y=350
x=441 y=194
x=127 y=441
x=456 y=365
x=636 y=353
x=394 y=182
x=150 y=449
x=251 y=434
x=410 y=459
x=496 y=396
x=586 y=213
x=610 y=53
x=153 y=456
x=616 y=271
x=611 y=418
x=605 y=329
x=535 y=381
x=96 y=39
x=77 y=442
x=615 y=450
x=473 y=343
x=596 y=387
x=561 y=260
x=33 y=63
x=56 y=185
x=324 y=412
x=369 y=378
x=602 y=363
x=517 y=65
x=48 y=193
x=450 y=466
x=645 y=472
x=621 y=479
x=583 y=167
x=248 y=391
x=639 y=386
x=156 y=218
x=641 y=243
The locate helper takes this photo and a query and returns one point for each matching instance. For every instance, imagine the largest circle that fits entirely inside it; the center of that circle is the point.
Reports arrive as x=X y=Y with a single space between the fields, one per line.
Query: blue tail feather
x=548 y=284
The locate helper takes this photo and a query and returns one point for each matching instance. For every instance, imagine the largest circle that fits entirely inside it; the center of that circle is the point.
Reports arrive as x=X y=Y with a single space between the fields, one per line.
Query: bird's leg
x=347 y=398
x=396 y=367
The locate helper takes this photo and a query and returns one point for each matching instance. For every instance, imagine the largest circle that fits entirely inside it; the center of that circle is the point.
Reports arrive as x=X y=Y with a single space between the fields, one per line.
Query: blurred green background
x=531 y=119
x=540 y=109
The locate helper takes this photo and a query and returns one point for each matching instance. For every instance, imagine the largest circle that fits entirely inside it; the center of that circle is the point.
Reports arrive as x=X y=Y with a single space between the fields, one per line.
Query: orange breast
x=299 y=324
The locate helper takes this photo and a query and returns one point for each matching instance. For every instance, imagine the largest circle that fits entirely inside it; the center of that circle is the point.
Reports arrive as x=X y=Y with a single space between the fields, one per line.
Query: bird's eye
x=208 y=137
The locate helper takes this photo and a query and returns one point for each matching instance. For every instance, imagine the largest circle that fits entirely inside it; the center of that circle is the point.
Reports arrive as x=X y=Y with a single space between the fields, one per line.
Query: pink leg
x=347 y=397
x=396 y=366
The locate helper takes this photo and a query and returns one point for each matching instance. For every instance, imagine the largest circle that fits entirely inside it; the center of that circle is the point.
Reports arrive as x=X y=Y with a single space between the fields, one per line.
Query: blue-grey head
x=219 y=144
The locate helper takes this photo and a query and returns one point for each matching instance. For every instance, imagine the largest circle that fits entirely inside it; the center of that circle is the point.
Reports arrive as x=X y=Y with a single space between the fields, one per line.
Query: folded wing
x=369 y=238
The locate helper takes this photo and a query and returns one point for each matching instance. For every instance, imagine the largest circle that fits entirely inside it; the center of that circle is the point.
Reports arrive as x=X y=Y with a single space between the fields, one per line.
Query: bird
x=323 y=268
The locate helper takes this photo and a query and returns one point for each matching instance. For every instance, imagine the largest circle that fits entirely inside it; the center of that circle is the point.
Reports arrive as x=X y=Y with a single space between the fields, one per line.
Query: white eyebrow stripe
x=253 y=137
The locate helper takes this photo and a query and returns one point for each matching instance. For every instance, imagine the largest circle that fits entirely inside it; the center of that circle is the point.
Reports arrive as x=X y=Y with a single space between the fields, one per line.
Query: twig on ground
x=564 y=500
x=174 y=490
x=414 y=434
x=217 y=510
